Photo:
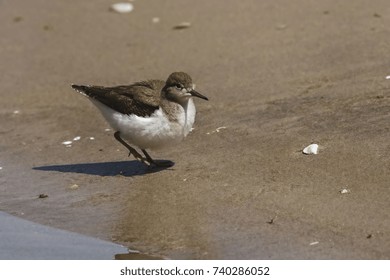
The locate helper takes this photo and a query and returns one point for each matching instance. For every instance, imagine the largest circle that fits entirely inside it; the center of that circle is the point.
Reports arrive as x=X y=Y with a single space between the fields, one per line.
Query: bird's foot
x=140 y=158
x=157 y=163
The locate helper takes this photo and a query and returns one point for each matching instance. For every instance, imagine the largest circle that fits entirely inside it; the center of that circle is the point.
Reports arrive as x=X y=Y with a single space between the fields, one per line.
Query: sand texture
x=280 y=75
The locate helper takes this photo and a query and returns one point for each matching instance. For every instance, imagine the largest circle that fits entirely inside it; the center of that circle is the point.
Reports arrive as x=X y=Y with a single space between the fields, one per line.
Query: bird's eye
x=178 y=86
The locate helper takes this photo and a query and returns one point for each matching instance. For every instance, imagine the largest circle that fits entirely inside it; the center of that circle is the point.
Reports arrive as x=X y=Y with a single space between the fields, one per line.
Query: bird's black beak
x=197 y=94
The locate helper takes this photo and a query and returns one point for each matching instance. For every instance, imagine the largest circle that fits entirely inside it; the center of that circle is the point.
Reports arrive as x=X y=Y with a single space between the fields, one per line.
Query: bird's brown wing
x=141 y=99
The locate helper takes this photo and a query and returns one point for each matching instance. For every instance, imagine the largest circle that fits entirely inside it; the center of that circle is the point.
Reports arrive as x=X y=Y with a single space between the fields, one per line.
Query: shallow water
x=21 y=239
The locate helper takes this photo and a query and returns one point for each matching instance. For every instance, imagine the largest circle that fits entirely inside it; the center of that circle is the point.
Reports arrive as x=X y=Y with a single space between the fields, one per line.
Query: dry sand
x=279 y=74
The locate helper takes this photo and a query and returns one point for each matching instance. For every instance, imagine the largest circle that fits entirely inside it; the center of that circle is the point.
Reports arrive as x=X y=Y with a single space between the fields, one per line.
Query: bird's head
x=179 y=88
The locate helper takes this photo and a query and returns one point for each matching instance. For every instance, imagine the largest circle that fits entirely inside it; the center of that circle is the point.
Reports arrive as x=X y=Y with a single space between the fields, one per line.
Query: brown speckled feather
x=141 y=99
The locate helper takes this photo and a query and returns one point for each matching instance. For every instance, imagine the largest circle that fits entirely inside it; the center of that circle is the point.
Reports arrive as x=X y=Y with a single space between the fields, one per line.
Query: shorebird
x=149 y=114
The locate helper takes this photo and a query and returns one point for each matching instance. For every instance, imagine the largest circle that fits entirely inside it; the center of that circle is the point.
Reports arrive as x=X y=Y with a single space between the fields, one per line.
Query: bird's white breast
x=151 y=132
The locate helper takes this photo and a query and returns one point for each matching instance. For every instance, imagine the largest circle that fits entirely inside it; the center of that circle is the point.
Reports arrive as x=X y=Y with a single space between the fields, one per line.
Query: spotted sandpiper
x=149 y=114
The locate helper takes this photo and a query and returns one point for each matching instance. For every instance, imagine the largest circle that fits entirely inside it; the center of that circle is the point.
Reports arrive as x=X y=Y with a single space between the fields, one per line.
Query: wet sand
x=280 y=75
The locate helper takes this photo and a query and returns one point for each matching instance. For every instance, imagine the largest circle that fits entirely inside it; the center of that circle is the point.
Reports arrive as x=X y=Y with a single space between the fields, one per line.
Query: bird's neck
x=172 y=98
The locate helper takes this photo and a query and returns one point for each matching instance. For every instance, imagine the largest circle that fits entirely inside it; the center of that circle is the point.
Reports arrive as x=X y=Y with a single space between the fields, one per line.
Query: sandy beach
x=280 y=75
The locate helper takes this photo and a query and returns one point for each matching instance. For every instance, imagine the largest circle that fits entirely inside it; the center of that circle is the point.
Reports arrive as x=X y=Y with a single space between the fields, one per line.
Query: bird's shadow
x=117 y=168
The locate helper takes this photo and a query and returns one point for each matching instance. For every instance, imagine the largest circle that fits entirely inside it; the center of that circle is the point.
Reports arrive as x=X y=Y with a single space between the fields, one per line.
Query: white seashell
x=388 y=77
x=314 y=243
x=155 y=20
x=1 y=168
x=107 y=129
x=122 y=7
x=91 y=138
x=66 y=143
x=311 y=149
x=77 y=138
x=344 y=191
x=16 y=112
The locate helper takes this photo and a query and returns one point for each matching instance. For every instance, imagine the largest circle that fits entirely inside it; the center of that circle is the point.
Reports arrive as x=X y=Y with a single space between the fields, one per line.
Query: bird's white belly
x=151 y=132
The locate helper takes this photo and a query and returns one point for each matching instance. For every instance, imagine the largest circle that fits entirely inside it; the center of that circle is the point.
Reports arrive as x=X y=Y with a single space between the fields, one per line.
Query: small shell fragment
x=344 y=191
x=66 y=143
x=314 y=243
x=122 y=7
x=312 y=149
x=73 y=187
x=77 y=138
x=388 y=77
x=16 y=112
x=91 y=138
x=182 y=25
x=281 y=26
x=156 y=20
x=217 y=130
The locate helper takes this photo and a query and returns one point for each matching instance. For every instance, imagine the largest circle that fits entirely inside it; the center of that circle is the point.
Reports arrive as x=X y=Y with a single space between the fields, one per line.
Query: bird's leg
x=132 y=151
x=148 y=157
x=156 y=163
